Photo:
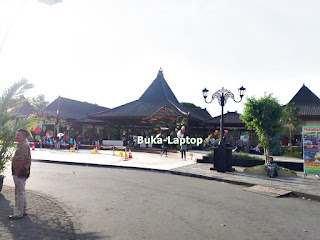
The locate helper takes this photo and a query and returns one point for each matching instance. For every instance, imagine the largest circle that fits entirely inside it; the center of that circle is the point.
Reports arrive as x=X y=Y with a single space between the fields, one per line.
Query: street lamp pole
x=222 y=95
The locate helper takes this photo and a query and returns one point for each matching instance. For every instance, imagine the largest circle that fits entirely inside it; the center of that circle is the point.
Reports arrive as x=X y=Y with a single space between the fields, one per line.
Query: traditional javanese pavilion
x=68 y=112
x=309 y=109
x=156 y=110
x=309 y=105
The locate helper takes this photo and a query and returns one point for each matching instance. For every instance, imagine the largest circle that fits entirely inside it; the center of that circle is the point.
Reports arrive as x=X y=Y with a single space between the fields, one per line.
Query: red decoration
x=164 y=110
x=38 y=130
x=153 y=119
x=158 y=117
x=173 y=119
x=225 y=131
x=215 y=132
x=143 y=121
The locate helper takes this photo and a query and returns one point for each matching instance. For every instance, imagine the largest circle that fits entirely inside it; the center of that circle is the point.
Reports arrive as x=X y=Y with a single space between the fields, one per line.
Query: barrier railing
x=77 y=146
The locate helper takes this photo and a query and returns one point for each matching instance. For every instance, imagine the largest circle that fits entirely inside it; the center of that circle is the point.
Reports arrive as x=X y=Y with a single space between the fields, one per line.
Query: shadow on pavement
x=45 y=219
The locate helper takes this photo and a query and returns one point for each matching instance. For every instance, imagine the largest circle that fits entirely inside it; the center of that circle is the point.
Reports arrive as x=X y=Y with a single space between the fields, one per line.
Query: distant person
x=271 y=168
x=257 y=149
x=21 y=164
x=240 y=145
x=124 y=140
x=183 y=151
x=289 y=147
x=165 y=147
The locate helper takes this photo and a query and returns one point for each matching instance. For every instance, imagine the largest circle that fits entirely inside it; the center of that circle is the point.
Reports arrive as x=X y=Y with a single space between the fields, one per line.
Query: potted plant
x=10 y=102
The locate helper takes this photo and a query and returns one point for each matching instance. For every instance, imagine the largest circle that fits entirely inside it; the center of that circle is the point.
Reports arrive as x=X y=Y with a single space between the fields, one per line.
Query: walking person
x=21 y=163
x=183 y=151
x=164 y=147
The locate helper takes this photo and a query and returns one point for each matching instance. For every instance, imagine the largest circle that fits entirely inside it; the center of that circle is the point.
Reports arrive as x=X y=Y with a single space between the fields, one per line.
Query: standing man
x=21 y=163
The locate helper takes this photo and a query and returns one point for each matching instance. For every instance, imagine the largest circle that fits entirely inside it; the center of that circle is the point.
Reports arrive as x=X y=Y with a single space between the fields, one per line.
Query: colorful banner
x=311 y=150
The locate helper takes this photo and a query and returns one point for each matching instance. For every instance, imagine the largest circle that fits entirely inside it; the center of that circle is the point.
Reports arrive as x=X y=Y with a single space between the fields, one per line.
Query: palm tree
x=10 y=102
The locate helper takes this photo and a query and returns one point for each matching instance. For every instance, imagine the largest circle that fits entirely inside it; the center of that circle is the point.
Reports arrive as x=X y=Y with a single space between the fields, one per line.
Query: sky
x=108 y=52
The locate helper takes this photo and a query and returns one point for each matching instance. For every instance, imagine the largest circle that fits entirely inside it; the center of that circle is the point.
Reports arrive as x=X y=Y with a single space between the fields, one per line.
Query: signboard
x=311 y=150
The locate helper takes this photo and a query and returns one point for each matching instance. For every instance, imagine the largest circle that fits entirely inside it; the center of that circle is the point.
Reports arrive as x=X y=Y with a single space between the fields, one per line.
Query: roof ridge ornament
x=160 y=73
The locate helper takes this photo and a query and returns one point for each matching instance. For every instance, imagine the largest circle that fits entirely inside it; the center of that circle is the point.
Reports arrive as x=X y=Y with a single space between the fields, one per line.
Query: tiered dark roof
x=25 y=110
x=230 y=119
x=308 y=102
x=202 y=114
x=71 y=109
x=157 y=96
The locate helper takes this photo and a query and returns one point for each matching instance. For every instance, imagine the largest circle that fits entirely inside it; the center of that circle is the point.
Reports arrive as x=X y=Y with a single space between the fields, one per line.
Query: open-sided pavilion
x=157 y=110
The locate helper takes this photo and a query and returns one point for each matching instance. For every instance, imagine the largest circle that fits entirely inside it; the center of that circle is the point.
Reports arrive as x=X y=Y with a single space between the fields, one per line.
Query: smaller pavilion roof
x=308 y=102
x=200 y=113
x=71 y=109
x=229 y=119
x=25 y=110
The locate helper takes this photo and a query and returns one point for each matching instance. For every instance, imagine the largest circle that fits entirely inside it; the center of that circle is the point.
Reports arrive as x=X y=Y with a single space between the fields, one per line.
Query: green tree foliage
x=39 y=102
x=290 y=118
x=10 y=102
x=263 y=116
x=189 y=105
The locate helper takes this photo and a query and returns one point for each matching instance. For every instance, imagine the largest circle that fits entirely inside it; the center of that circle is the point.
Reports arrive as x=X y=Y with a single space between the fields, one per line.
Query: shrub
x=244 y=156
x=237 y=155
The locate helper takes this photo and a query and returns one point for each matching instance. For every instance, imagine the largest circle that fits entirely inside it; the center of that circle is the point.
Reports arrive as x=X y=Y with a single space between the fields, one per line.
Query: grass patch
x=258 y=166
x=285 y=169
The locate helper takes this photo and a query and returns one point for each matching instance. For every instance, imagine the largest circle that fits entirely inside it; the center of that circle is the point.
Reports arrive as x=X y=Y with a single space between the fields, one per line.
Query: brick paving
x=46 y=220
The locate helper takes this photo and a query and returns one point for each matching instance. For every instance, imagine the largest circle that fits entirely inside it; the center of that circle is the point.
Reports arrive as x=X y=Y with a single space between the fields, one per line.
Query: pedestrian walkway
x=45 y=219
x=308 y=188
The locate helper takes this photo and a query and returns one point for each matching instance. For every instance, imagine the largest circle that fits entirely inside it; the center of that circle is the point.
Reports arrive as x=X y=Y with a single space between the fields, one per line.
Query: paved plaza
x=303 y=187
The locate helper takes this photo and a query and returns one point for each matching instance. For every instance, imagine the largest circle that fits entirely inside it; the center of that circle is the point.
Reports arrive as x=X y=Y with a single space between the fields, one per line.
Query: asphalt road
x=129 y=204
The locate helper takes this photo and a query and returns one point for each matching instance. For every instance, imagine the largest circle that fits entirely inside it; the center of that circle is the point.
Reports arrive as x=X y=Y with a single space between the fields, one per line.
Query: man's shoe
x=14 y=217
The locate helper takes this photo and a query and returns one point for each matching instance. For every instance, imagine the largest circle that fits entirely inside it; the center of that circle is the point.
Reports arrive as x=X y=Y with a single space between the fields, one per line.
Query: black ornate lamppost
x=222 y=154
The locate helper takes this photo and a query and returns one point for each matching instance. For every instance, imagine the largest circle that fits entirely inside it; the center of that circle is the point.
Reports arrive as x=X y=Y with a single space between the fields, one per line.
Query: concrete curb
x=294 y=193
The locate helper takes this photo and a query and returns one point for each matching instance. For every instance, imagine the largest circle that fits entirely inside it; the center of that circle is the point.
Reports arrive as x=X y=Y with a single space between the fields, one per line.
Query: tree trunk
x=267 y=148
x=290 y=141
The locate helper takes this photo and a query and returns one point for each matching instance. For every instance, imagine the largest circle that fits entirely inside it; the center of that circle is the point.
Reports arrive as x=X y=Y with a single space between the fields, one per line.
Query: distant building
x=71 y=117
x=309 y=113
x=309 y=105
x=25 y=110
x=156 y=109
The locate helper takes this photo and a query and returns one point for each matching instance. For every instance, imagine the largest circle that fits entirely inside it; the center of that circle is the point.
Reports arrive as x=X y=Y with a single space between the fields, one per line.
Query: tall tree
x=39 y=102
x=263 y=116
x=290 y=118
x=189 y=105
x=10 y=102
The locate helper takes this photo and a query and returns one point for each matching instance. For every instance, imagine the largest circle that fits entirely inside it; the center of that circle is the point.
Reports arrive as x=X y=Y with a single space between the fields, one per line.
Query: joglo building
x=156 y=112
